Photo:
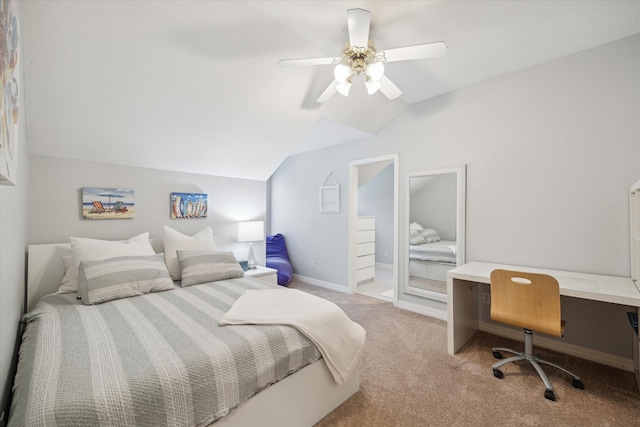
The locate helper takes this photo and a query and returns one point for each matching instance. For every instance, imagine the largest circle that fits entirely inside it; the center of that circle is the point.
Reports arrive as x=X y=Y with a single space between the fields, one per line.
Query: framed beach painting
x=9 y=93
x=188 y=205
x=108 y=203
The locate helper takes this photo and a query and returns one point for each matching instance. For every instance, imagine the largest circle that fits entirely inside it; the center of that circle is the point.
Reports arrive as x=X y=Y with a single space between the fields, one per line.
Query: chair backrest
x=527 y=300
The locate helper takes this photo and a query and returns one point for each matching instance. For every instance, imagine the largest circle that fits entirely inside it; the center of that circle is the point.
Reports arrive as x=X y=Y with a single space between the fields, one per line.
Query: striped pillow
x=208 y=266
x=84 y=249
x=121 y=277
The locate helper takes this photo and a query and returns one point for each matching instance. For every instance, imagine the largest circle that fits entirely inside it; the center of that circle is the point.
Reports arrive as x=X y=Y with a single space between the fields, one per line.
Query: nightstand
x=263 y=273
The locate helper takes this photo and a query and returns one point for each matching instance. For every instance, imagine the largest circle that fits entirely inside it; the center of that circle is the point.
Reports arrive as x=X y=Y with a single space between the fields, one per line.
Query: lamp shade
x=250 y=231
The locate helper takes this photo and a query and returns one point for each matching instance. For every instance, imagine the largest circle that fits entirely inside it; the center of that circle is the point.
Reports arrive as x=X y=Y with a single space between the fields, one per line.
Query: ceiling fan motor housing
x=358 y=58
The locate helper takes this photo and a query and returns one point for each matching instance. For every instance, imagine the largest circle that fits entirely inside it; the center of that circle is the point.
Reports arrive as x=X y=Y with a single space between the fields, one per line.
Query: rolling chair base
x=535 y=361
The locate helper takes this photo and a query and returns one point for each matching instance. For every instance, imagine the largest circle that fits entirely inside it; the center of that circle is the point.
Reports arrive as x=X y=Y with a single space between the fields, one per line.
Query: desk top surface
x=614 y=289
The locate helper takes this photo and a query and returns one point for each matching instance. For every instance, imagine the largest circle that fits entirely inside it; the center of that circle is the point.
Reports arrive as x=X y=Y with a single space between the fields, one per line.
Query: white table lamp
x=251 y=231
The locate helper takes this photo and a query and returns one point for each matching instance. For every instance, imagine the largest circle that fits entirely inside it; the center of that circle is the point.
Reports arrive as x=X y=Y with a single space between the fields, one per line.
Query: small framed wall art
x=188 y=205
x=329 y=195
x=108 y=203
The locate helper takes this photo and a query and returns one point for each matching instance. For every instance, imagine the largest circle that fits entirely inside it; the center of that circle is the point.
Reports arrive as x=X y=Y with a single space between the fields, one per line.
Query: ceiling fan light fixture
x=359 y=56
x=372 y=86
x=375 y=70
x=342 y=72
x=343 y=88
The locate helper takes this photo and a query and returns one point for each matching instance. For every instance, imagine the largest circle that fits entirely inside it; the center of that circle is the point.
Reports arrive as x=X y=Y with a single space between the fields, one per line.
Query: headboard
x=45 y=268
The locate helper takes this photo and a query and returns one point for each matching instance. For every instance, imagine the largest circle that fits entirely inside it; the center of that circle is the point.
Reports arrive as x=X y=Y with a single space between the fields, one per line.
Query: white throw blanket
x=339 y=339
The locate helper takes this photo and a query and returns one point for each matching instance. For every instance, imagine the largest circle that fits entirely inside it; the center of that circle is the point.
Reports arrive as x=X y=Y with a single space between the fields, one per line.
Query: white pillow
x=430 y=235
x=414 y=226
x=84 y=249
x=175 y=241
x=70 y=279
x=415 y=238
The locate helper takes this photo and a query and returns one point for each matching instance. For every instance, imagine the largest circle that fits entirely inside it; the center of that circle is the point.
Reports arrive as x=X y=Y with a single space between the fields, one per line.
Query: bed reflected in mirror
x=435 y=224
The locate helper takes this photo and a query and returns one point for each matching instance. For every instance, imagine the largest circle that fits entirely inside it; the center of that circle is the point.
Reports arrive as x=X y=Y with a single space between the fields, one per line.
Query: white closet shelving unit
x=366 y=248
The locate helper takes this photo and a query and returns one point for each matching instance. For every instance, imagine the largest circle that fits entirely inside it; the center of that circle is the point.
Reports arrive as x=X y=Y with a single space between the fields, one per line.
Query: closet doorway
x=373 y=227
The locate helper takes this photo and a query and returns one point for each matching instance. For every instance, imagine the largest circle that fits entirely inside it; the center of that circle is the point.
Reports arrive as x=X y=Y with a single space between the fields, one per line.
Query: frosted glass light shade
x=342 y=72
x=375 y=70
x=372 y=86
x=343 y=88
x=250 y=231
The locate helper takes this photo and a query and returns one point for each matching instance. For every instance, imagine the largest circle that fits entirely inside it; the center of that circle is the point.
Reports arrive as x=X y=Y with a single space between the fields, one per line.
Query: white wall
x=434 y=205
x=550 y=154
x=55 y=199
x=550 y=150
x=13 y=236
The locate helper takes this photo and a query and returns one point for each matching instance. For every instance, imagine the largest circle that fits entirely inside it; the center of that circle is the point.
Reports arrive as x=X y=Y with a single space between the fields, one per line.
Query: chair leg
x=499 y=349
x=571 y=374
x=535 y=362
x=509 y=360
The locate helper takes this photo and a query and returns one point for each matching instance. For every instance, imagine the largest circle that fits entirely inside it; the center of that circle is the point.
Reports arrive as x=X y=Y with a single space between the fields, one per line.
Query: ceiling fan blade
x=308 y=61
x=328 y=92
x=419 y=51
x=389 y=89
x=358 y=21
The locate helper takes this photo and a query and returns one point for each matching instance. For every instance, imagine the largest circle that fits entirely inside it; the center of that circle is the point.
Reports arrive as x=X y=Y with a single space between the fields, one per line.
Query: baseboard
x=321 y=283
x=562 y=347
x=384 y=266
x=427 y=311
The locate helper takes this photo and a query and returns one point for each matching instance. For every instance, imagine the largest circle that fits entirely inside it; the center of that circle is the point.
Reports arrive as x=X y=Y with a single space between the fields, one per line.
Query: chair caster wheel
x=497 y=355
x=498 y=373
x=549 y=394
x=578 y=384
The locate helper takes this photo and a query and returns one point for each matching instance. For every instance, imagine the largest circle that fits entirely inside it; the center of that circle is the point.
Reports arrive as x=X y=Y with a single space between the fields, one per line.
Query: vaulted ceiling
x=193 y=85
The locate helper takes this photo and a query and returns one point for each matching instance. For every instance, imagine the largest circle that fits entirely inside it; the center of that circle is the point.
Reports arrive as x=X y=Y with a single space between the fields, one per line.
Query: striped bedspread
x=151 y=360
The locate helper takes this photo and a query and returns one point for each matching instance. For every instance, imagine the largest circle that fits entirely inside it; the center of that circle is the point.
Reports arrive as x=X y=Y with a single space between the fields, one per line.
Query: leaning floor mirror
x=435 y=229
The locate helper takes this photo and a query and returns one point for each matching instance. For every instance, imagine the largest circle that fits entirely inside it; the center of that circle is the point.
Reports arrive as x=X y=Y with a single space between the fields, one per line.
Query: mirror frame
x=461 y=189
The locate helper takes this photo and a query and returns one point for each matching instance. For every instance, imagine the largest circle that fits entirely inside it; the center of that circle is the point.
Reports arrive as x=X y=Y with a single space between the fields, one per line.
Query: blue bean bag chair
x=278 y=258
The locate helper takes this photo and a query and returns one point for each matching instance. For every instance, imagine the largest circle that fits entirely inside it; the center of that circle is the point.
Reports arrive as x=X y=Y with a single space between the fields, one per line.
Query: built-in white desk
x=463 y=295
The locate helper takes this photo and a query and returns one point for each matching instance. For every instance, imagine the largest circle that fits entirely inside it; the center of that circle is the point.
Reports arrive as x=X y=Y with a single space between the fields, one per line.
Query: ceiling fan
x=360 y=57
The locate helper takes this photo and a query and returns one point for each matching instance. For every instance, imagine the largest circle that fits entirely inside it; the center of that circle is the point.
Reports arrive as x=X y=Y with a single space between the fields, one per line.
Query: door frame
x=353 y=218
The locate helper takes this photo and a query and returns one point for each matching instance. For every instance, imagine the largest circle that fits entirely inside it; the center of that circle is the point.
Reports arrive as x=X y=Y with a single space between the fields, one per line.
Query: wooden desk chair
x=532 y=302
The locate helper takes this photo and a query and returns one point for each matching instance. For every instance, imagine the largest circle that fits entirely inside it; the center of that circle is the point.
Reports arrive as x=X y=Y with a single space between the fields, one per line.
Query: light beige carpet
x=409 y=379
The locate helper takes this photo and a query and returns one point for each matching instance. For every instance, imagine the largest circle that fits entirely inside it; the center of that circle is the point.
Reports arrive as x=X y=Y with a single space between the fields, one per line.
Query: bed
x=432 y=260
x=162 y=359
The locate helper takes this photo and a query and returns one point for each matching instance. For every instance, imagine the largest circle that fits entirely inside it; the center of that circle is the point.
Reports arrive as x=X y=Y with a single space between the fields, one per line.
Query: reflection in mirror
x=435 y=226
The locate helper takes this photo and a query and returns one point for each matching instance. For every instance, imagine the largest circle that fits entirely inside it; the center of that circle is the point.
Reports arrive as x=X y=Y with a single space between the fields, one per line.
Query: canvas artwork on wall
x=188 y=205
x=107 y=203
x=9 y=92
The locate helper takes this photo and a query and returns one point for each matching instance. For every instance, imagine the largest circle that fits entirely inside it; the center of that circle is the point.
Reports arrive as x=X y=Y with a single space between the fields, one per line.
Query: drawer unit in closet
x=366 y=251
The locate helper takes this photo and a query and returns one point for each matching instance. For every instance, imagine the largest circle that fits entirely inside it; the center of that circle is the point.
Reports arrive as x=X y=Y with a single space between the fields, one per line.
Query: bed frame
x=301 y=399
x=432 y=270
